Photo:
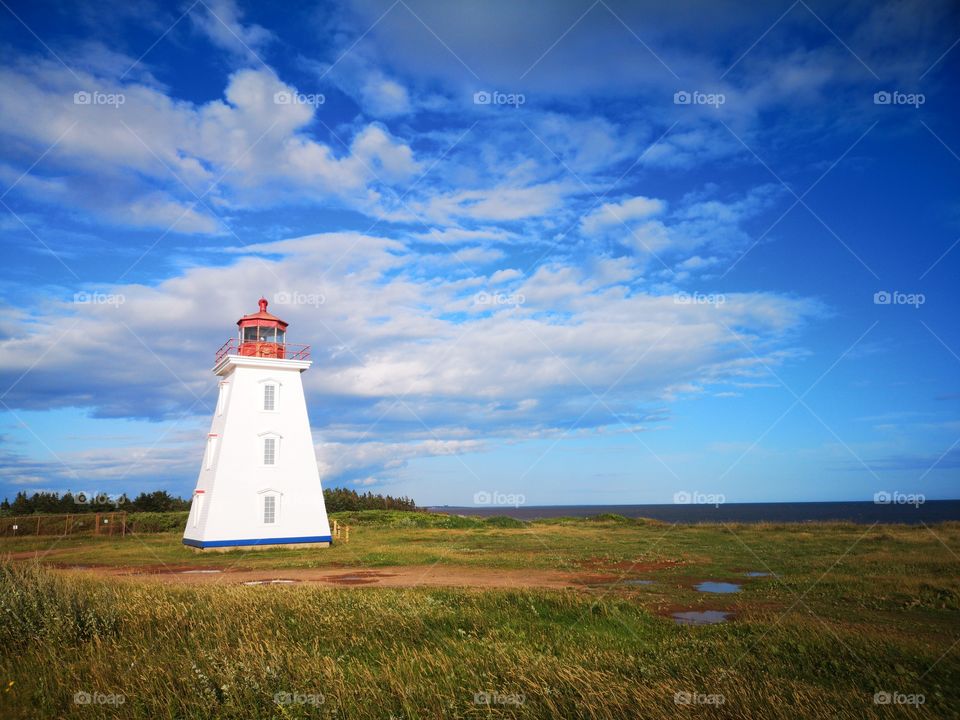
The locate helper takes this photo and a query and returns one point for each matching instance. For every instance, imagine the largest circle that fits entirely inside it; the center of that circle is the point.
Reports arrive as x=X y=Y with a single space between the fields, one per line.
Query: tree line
x=339 y=499
x=50 y=503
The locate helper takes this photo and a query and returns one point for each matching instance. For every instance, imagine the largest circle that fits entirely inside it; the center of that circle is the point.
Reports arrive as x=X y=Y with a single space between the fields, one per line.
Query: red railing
x=280 y=351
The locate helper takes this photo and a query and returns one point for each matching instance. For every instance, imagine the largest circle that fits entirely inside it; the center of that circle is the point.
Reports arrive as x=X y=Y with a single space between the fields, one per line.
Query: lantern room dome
x=263 y=335
x=262 y=315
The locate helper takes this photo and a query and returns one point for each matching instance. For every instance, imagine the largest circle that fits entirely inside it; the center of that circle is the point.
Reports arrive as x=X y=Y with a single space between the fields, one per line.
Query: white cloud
x=695 y=225
x=389 y=345
x=497 y=204
x=155 y=153
x=360 y=463
x=222 y=22
x=618 y=214
x=383 y=97
x=457 y=235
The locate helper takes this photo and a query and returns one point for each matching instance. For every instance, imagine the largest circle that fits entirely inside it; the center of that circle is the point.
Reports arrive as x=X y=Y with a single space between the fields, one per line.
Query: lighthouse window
x=222 y=397
x=197 y=508
x=211 y=450
x=269 y=451
x=270 y=397
x=269 y=509
x=250 y=334
x=281 y=335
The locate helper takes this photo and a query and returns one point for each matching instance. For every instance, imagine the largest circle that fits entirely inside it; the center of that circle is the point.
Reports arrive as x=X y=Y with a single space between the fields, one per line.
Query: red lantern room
x=263 y=334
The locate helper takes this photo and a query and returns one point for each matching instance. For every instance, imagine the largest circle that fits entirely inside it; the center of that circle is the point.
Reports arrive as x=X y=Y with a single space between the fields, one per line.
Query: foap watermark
x=883 y=297
x=82 y=697
x=299 y=298
x=102 y=498
x=495 y=97
x=696 y=497
x=885 y=697
x=695 y=97
x=898 y=498
x=686 y=697
x=95 y=97
x=895 y=97
x=499 y=298
x=698 y=298
x=98 y=298
x=292 y=97
x=486 y=697
x=295 y=698
x=499 y=498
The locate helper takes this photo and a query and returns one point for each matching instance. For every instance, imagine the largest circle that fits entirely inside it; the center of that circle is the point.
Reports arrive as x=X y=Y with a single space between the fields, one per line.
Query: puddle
x=637 y=582
x=270 y=582
x=758 y=574
x=718 y=587
x=700 y=617
x=199 y=572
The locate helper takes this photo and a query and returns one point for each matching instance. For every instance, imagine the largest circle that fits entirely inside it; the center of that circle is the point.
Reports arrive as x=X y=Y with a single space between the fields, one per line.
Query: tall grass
x=228 y=651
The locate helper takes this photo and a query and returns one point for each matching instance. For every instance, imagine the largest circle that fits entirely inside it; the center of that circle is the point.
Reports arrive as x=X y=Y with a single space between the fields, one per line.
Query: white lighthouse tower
x=259 y=484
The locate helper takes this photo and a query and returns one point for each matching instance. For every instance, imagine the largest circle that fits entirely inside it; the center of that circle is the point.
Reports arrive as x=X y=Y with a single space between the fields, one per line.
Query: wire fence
x=102 y=523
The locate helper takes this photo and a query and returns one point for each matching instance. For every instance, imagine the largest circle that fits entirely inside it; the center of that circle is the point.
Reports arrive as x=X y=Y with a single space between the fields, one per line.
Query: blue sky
x=576 y=252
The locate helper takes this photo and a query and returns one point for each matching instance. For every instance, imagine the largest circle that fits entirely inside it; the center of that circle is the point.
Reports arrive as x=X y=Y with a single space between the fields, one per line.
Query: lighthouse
x=259 y=484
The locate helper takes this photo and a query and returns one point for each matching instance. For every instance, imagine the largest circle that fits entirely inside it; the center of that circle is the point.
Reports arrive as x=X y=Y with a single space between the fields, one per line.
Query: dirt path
x=35 y=554
x=400 y=576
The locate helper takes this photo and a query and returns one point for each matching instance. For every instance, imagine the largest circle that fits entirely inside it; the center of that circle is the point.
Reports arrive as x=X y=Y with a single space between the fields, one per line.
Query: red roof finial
x=263 y=303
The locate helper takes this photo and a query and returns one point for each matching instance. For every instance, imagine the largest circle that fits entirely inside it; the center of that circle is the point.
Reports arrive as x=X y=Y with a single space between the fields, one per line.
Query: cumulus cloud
x=384 y=97
x=695 y=227
x=372 y=463
x=221 y=21
x=415 y=353
x=503 y=203
x=616 y=214
x=250 y=149
x=447 y=330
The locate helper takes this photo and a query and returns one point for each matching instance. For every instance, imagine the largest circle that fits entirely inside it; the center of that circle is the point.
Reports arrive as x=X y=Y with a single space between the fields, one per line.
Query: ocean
x=930 y=511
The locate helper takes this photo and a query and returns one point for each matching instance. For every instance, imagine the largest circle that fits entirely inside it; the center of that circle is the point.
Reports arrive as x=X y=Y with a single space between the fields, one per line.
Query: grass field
x=850 y=611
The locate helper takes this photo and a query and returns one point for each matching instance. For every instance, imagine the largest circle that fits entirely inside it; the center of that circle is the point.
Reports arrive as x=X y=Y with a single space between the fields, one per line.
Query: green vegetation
x=851 y=611
x=48 y=503
x=160 y=501
x=338 y=499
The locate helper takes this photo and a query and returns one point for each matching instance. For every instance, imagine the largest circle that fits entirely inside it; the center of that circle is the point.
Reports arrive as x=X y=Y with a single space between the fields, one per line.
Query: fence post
x=96 y=524
x=38 y=524
x=123 y=527
x=346 y=530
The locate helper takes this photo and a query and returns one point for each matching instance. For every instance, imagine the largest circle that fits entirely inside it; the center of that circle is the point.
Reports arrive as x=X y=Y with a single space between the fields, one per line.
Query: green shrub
x=156 y=522
x=502 y=521
x=406 y=519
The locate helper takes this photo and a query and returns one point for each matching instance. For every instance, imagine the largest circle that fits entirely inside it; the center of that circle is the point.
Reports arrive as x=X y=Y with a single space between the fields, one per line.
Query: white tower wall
x=230 y=506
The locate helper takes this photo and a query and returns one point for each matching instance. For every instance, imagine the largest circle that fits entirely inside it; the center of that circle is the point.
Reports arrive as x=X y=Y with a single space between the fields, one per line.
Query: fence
x=102 y=523
x=339 y=531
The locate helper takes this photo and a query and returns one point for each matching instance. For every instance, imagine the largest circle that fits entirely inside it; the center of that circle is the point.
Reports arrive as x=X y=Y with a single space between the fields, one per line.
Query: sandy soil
x=401 y=576
x=34 y=554
x=594 y=573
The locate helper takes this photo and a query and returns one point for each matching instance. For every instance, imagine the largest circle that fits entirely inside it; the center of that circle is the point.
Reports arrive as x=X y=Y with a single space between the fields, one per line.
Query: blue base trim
x=257 y=541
